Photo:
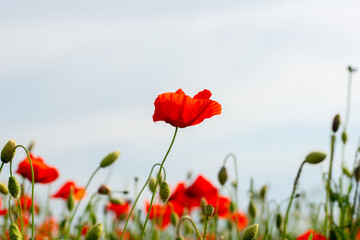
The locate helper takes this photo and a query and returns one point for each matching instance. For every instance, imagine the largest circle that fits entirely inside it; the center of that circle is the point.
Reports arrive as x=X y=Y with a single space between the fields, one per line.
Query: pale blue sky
x=80 y=78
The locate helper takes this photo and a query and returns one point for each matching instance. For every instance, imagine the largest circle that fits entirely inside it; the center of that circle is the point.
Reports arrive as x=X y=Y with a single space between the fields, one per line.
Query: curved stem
x=77 y=205
x=291 y=199
x=188 y=218
x=156 y=184
x=137 y=198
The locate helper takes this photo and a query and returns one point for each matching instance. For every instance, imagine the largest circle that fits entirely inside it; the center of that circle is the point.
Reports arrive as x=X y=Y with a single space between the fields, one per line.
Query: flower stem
x=157 y=182
x=188 y=218
x=291 y=199
x=205 y=227
x=328 y=188
x=77 y=205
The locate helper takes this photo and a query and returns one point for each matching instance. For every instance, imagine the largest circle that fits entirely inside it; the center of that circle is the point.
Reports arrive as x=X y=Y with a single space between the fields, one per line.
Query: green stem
x=11 y=220
x=187 y=218
x=156 y=184
x=47 y=204
x=77 y=205
x=21 y=218
x=328 y=188
x=205 y=227
x=2 y=165
x=291 y=199
x=137 y=198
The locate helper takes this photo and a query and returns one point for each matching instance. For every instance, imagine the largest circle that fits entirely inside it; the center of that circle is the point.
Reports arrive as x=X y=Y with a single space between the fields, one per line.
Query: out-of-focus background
x=80 y=78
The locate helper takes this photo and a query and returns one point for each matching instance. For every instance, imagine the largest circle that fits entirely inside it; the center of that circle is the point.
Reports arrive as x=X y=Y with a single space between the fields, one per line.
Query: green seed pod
x=279 y=220
x=222 y=175
x=110 y=159
x=7 y=153
x=252 y=209
x=14 y=232
x=344 y=137
x=174 y=218
x=315 y=157
x=3 y=189
x=346 y=171
x=104 y=189
x=263 y=192
x=209 y=210
x=336 y=123
x=357 y=174
x=95 y=232
x=152 y=183
x=164 y=191
x=14 y=187
x=70 y=200
x=250 y=232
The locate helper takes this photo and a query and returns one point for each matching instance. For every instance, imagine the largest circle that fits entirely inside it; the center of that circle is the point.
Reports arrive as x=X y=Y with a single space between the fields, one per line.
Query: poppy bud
x=14 y=232
x=252 y=209
x=14 y=187
x=222 y=176
x=3 y=189
x=250 y=232
x=164 y=191
x=234 y=184
x=279 y=219
x=116 y=201
x=174 y=218
x=209 y=210
x=357 y=173
x=31 y=146
x=93 y=217
x=351 y=69
x=315 y=157
x=104 y=189
x=95 y=232
x=263 y=191
x=336 y=123
x=346 y=171
x=344 y=137
x=203 y=204
x=152 y=183
x=232 y=207
x=70 y=200
x=7 y=153
x=110 y=159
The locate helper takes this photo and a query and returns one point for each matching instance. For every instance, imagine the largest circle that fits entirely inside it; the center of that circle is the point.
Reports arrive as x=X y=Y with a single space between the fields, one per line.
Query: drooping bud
x=344 y=137
x=174 y=218
x=209 y=210
x=263 y=192
x=252 y=209
x=3 y=189
x=104 y=189
x=250 y=232
x=164 y=191
x=95 y=232
x=14 y=187
x=152 y=183
x=315 y=157
x=7 y=153
x=14 y=232
x=279 y=219
x=110 y=159
x=222 y=175
x=346 y=171
x=336 y=123
x=357 y=173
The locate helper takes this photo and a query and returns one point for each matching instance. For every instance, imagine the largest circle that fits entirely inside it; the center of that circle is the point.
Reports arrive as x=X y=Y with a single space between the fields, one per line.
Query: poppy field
x=199 y=209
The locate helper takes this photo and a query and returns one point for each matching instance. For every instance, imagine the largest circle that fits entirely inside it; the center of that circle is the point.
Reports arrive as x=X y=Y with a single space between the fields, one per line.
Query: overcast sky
x=80 y=78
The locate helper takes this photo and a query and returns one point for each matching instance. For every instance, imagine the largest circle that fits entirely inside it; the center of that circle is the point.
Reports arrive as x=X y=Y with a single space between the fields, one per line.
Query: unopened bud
x=7 y=153
x=315 y=157
x=180 y=238
x=263 y=192
x=14 y=232
x=252 y=209
x=116 y=201
x=232 y=207
x=209 y=210
x=95 y=232
x=110 y=159
x=357 y=173
x=336 y=123
x=164 y=191
x=344 y=137
x=3 y=189
x=346 y=171
x=351 y=69
x=104 y=189
x=222 y=175
x=250 y=232
x=31 y=146
x=14 y=187
x=174 y=218
x=203 y=204
x=279 y=219
x=70 y=200
x=152 y=183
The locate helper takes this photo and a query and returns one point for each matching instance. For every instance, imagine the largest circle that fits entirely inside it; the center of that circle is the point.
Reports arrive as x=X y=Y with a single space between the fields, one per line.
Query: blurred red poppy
x=64 y=191
x=241 y=219
x=160 y=214
x=42 y=172
x=47 y=229
x=2 y=211
x=25 y=202
x=181 y=111
x=306 y=235
x=120 y=210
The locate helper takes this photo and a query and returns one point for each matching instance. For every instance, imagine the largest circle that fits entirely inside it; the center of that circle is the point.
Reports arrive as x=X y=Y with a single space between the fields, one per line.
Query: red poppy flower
x=64 y=191
x=306 y=235
x=160 y=214
x=42 y=172
x=25 y=202
x=120 y=210
x=241 y=219
x=2 y=211
x=181 y=111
